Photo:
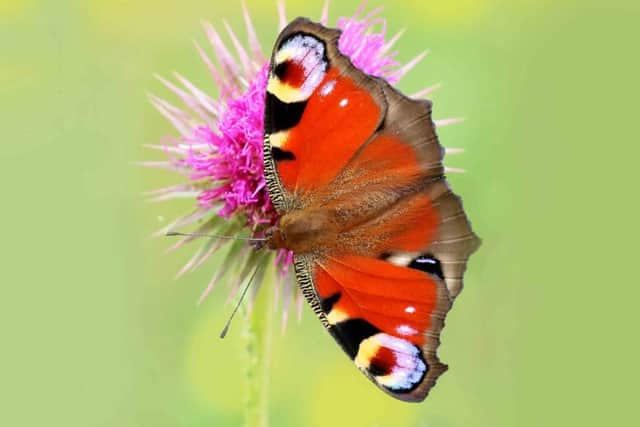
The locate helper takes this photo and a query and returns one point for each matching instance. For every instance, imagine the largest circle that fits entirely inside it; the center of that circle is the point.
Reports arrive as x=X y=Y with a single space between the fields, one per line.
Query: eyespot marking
x=299 y=66
x=394 y=362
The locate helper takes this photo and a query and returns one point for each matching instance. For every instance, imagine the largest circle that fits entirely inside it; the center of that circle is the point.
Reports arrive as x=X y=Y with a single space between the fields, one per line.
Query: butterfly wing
x=386 y=318
x=309 y=102
x=349 y=143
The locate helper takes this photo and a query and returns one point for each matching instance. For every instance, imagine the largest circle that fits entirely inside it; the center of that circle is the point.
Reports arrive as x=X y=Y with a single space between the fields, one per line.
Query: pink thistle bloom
x=218 y=148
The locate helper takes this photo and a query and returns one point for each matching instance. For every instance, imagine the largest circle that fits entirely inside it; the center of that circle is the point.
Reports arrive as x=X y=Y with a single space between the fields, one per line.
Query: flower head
x=219 y=146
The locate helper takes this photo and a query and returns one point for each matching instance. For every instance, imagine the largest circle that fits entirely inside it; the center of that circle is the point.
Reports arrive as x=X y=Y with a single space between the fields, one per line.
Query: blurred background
x=95 y=331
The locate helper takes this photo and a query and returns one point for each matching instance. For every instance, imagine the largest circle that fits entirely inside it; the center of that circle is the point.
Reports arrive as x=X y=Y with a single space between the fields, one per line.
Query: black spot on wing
x=279 y=154
x=351 y=333
x=329 y=302
x=378 y=368
x=384 y=255
x=280 y=70
x=282 y=115
x=429 y=264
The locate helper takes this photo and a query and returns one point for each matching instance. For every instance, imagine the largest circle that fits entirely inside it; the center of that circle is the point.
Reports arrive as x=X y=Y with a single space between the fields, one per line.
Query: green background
x=95 y=331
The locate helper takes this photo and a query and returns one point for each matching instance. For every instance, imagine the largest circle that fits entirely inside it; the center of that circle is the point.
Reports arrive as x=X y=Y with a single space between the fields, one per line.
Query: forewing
x=319 y=111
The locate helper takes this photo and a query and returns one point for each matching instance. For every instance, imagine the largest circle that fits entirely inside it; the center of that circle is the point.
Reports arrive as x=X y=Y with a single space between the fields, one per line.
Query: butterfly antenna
x=235 y=310
x=248 y=239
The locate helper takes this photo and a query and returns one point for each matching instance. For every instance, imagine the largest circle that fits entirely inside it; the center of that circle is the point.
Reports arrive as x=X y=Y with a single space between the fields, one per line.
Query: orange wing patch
x=327 y=135
x=388 y=296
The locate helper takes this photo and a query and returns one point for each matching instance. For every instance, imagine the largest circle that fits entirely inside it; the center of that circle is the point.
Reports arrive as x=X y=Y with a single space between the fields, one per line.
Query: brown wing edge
x=430 y=349
x=455 y=240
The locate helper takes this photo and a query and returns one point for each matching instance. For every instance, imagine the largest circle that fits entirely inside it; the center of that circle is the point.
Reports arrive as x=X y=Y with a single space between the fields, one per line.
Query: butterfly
x=354 y=170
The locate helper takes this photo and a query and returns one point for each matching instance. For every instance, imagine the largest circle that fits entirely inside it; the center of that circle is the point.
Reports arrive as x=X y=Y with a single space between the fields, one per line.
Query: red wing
x=327 y=118
x=386 y=318
x=319 y=111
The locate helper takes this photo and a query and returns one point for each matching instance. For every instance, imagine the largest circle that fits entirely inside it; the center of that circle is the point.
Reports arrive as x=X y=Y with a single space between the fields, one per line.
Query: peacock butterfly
x=354 y=170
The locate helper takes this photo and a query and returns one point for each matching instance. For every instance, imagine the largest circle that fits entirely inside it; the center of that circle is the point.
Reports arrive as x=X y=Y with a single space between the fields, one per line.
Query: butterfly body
x=305 y=231
x=380 y=243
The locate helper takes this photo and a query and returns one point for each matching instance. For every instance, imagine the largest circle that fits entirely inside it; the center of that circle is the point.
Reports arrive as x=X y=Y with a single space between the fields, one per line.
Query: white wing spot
x=402 y=259
x=405 y=330
x=327 y=88
x=410 y=309
x=344 y=102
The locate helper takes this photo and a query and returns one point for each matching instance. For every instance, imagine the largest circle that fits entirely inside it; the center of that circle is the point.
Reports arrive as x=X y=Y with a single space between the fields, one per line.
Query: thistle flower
x=218 y=146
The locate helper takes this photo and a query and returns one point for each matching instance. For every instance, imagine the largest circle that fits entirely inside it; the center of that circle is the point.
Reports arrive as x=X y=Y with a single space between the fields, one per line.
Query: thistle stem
x=259 y=334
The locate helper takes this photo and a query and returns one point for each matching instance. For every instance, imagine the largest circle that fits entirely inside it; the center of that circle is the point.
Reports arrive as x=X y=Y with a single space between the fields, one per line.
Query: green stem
x=259 y=339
